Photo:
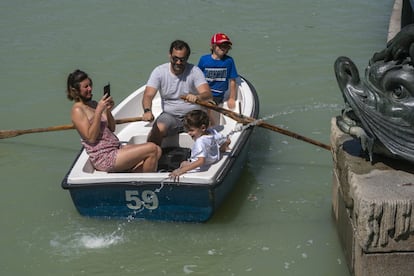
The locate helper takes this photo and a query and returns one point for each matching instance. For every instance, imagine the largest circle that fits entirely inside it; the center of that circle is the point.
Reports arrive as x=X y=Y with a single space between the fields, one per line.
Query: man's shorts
x=218 y=100
x=174 y=123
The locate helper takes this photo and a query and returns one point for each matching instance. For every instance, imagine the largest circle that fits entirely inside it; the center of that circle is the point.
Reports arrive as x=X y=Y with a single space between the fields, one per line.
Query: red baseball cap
x=220 y=38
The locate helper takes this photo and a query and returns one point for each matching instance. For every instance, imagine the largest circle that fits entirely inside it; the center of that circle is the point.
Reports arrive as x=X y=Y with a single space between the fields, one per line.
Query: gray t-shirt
x=171 y=87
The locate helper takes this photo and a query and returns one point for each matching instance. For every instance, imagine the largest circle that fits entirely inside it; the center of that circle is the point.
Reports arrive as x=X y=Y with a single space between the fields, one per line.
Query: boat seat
x=182 y=140
x=138 y=139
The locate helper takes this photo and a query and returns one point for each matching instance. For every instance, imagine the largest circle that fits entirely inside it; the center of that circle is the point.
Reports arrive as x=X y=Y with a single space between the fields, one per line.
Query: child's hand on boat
x=175 y=174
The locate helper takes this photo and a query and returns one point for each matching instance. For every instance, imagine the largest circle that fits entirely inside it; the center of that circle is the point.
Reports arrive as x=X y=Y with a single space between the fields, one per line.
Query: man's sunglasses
x=176 y=59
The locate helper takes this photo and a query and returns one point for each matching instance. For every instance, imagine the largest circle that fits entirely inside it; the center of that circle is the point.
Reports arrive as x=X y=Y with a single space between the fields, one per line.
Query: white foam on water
x=187 y=269
x=99 y=241
x=286 y=265
x=212 y=252
x=74 y=243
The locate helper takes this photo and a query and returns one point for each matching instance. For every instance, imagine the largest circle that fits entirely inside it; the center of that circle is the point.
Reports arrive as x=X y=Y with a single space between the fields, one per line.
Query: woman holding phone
x=95 y=124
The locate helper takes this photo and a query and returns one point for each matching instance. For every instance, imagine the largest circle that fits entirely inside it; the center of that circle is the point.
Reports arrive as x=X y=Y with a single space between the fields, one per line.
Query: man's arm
x=231 y=102
x=149 y=95
x=204 y=94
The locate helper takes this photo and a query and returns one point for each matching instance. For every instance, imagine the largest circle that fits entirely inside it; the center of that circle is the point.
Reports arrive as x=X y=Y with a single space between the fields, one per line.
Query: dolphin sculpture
x=380 y=108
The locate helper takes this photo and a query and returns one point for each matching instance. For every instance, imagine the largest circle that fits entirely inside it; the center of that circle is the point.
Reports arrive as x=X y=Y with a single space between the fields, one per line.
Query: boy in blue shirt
x=220 y=70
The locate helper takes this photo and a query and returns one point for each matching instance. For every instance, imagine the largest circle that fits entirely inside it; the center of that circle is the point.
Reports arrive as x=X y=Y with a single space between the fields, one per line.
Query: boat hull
x=129 y=201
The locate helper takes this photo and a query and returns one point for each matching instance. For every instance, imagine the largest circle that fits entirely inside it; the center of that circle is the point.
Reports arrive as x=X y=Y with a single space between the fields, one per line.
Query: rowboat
x=155 y=196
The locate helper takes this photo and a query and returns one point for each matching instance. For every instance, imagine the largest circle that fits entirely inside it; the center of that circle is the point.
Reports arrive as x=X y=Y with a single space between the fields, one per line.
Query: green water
x=277 y=222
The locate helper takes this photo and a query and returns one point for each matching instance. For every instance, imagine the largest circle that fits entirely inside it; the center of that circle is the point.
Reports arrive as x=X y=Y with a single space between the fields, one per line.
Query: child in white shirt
x=208 y=144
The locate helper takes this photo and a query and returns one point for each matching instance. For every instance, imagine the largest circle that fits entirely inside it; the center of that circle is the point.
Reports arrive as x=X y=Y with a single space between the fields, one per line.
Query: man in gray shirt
x=174 y=79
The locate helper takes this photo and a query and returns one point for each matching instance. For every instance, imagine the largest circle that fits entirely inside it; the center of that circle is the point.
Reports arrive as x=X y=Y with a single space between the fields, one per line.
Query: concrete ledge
x=373 y=208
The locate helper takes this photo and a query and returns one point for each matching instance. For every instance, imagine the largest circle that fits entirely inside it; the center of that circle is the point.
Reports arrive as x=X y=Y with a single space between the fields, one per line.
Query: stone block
x=372 y=204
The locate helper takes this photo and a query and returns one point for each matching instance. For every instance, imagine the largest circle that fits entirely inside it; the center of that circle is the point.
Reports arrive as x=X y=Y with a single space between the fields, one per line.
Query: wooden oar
x=246 y=120
x=16 y=132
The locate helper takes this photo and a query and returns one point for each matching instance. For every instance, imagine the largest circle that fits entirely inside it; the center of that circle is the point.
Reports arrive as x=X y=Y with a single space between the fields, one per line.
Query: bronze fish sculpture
x=380 y=108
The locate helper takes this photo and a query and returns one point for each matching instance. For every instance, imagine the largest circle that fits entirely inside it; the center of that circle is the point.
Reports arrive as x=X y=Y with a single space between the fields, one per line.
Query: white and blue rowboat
x=154 y=196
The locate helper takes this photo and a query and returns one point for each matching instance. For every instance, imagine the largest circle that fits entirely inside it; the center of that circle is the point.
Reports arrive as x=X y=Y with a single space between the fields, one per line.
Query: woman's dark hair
x=196 y=118
x=179 y=45
x=73 y=84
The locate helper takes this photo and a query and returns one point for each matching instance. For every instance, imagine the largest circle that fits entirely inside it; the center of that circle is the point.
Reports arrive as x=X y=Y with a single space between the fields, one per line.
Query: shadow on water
x=247 y=181
x=232 y=205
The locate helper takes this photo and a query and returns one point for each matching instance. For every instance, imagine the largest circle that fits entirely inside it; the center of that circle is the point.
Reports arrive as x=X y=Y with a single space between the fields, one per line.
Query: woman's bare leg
x=151 y=163
x=138 y=158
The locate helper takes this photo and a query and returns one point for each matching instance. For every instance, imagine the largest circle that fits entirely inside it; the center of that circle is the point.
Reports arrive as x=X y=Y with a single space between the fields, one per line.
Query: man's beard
x=178 y=68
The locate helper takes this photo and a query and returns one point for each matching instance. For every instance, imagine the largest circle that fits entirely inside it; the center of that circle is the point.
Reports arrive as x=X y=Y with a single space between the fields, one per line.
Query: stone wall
x=373 y=209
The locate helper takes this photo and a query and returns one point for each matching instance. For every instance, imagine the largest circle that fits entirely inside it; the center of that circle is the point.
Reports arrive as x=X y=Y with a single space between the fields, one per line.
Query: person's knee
x=162 y=129
x=155 y=149
x=159 y=151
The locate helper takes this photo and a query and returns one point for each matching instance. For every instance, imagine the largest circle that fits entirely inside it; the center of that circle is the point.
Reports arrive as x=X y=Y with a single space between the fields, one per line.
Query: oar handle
x=17 y=132
x=128 y=120
x=294 y=135
x=245 y=120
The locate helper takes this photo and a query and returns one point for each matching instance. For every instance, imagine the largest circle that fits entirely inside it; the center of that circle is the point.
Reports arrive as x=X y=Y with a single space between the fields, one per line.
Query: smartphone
x=107 y=89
